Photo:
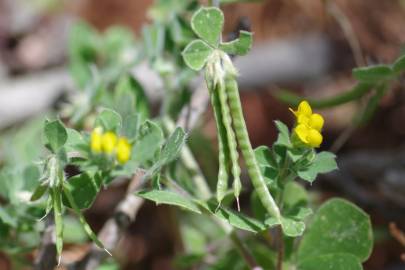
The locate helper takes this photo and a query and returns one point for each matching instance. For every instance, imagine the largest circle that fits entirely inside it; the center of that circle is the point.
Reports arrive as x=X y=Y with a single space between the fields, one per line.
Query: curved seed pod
x=222 y=184
x=246 y=148
x=230 y=135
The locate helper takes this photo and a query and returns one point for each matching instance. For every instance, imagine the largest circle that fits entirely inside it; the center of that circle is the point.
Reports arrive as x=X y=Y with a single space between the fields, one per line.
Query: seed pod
x=57 y=212
x=246 y=148
x=222 y=184
x=230 y=135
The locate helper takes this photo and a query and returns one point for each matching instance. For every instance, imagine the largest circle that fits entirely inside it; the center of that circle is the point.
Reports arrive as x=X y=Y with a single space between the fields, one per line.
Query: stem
x=247 y=151
x=243 y=251
x=356 y=92
x=280 y=251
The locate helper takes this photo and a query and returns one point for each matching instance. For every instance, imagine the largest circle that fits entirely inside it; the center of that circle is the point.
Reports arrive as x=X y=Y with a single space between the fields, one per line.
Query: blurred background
x=307 y=46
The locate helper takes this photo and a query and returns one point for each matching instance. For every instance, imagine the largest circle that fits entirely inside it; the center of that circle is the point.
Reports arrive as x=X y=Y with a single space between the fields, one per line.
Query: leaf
x=338 y=227
x=55 y=134
x=8 y=219
x=130 y=126
x=109 y=119
x=170 y=198
x=265 y=157
x=68 y=194
x=292 y=228
x=207 y=23
x=373 y=73
x=74 y=139
x=337 y=261
x=39 y=191
x=240 y=46
x=149 y=140
x=172 y=148
x=84 y=189
x=399 y=64
x=154 y=38
x=196 y=53
x=236 y=219
x=294 y=194
x=283 y=138
x=83 y=50
x=323 y=162
x=128 y=84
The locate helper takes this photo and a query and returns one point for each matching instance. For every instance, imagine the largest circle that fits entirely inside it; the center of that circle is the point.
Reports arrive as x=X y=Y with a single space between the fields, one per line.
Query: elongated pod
x=246 y=148
x=57 y=212
x=230 y=135
x=222 y=183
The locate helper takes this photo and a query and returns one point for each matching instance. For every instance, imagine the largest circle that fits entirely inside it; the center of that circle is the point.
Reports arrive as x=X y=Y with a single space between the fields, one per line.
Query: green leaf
x=323 y=162
x=83 y=49
x=292 y=228
x=337 y=261
x=148 y=142
x=196 y=53
x=207 y=23
x=86 y=227
x=294 y=194
x=74 y=139
x=172 y=148
x=130 y=126
x=373 y=73
x=399 y=64
x=338 y=227
x=154 y=38
x=55 y=134
x=240 y=46
x=170 y=198
x=8 y=219
x=236 y=219
x=109 y=119
x=84 y=189
x=39 y=191
x=283 y=138
x=128 y=84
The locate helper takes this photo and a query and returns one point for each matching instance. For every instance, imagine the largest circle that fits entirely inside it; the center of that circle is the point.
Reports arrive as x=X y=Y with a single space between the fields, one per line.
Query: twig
x=46 y=258
x=397 y=233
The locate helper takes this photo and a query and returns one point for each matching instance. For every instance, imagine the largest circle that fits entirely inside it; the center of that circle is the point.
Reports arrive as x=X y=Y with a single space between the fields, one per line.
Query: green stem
x=355 y=93
x=247 y=151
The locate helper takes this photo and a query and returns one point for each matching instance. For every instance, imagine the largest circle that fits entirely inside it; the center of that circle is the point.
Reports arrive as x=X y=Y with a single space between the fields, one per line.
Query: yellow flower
x=123 y=150
x=303 y=109
x=95 y=139
x=108 y=142
x=309 y=125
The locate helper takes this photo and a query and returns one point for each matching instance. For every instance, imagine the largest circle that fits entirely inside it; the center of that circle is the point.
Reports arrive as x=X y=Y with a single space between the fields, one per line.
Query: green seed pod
x=223 y=175
x=233 y=150
x=246 y=148
x=57 y=212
